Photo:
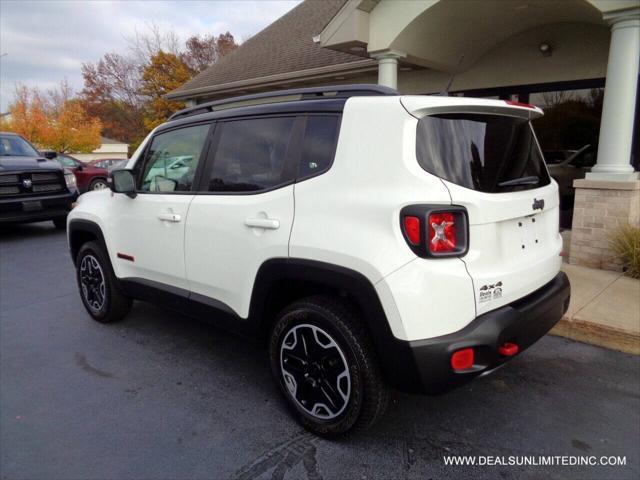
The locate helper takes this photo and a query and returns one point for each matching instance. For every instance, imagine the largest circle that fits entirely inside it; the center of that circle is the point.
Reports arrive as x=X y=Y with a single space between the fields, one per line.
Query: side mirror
x=80 y=167
x=50 y=154
x=122 y=181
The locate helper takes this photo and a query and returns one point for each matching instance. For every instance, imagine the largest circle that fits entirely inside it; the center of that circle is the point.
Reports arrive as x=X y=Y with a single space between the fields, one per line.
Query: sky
x=44 y=42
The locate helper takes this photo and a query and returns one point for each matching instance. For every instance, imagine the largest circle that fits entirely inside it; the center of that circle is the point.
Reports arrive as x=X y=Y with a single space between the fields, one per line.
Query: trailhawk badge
x=490 y=292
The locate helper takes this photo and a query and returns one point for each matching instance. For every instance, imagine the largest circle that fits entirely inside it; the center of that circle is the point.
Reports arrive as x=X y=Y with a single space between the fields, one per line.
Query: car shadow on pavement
x=192 y=343
x=28 y=230
x=496 y=406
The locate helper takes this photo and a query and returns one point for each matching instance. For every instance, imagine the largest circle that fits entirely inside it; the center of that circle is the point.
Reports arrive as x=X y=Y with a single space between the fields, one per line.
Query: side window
x=251 y=155
x=66 y=161
x=172 y=159
x=319 y=145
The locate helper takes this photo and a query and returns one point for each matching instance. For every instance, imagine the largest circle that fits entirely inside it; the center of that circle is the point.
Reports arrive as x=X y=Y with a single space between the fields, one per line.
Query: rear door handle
x=169 y=217
x=267 y=223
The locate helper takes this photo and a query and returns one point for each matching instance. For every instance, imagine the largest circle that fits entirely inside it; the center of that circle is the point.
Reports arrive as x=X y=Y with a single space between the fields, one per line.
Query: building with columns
x=577 y=59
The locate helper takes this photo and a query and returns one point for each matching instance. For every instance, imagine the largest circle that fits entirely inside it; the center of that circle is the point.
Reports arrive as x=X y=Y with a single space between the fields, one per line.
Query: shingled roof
x=284 y=49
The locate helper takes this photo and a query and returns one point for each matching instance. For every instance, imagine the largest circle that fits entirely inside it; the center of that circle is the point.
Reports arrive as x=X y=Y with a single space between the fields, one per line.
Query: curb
x=597 y=334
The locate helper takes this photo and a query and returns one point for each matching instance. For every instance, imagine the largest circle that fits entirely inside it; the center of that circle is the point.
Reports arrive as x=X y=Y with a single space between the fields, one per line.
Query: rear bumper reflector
x=508 y=349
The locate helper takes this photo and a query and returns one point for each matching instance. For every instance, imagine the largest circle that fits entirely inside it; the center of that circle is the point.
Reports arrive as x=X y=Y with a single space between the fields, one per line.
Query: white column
x=388 y=67
x=616 y=125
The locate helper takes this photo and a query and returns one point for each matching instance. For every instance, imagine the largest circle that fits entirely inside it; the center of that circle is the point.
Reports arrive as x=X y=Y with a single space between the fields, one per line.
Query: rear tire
x=100 y=292
x=324 y=362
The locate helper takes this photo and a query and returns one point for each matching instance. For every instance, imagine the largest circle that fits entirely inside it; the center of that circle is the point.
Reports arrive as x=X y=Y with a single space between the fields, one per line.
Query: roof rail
x=311 y=93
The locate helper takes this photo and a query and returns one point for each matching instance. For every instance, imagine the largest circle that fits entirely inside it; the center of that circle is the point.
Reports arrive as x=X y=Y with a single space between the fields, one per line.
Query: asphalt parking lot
x=165 y=397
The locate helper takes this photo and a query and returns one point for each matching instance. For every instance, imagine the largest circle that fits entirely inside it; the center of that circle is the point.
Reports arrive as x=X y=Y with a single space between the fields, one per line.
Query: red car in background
x=109 y=163
x=88 y=177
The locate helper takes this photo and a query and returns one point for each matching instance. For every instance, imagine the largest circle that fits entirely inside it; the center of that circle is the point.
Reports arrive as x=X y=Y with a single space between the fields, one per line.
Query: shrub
x=625 y=242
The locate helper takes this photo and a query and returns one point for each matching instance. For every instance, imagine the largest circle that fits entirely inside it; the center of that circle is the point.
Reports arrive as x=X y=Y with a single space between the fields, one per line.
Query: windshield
x=15 y=146
x=488 y=153
x=67 y=161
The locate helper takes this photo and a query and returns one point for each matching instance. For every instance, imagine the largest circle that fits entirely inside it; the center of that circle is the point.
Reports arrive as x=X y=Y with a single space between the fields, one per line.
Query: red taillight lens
x=435 y=231
x=412 y=229
x=463 y=359
x=442 y=232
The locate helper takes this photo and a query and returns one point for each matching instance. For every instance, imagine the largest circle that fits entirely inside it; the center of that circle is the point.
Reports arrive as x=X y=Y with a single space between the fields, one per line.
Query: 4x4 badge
x=490 y=292
x=538 y=204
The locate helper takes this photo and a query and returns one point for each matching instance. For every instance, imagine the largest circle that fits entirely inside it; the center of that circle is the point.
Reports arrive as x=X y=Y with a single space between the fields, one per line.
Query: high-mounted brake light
x=519 y=104
x=442 y=232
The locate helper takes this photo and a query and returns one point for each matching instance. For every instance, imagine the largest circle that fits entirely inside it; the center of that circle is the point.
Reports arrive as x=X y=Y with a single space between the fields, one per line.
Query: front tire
x=98 y=285
x=324 y=363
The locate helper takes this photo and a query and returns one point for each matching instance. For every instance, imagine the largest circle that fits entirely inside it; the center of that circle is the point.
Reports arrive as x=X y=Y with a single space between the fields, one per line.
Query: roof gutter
x=360 y=66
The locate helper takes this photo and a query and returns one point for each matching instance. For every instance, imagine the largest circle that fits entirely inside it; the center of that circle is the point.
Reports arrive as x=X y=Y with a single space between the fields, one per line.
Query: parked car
x=565 y=166
x=87 y=176
x=32 y=188
x=374 y=240
x=108 y=163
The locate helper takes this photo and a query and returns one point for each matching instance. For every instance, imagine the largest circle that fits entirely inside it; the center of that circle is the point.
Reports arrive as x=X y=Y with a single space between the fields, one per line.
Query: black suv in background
x=32 y=188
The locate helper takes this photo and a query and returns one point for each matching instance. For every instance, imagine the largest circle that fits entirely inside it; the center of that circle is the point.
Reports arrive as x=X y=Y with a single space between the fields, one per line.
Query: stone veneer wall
x=599 y=208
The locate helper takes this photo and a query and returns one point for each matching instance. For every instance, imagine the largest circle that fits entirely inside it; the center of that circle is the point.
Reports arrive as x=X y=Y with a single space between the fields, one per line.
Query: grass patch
x=625 y=242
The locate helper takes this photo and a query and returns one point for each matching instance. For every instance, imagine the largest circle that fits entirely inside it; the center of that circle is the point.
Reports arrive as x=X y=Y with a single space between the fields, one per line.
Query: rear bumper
x=424 y=366
x=36 y=209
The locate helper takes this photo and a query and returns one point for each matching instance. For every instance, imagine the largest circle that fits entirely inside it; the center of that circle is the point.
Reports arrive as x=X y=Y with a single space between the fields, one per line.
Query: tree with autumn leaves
x=123 y=95
x=126 y=91
x=165 y=72
x=53 y=120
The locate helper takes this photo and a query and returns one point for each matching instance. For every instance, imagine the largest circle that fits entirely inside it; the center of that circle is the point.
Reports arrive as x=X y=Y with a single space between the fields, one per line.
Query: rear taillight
x=412 y=229
x=442 y=232
x=435 y=231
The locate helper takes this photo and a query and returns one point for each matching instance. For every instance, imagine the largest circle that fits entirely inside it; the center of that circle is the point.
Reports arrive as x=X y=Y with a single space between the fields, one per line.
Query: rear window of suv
x=488 y=153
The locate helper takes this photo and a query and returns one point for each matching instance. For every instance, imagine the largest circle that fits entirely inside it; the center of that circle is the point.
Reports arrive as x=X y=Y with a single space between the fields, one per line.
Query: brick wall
x=599 y=208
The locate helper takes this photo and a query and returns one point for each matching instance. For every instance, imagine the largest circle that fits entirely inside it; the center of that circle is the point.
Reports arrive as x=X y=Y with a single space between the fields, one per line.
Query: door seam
x=293 y=219
x=184 y=244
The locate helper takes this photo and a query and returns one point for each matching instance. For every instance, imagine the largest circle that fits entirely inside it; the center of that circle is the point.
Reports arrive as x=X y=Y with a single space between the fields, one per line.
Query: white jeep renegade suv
x=375 y=240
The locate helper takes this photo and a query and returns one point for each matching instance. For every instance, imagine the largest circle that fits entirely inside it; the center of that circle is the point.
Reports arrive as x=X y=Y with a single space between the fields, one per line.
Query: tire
x=313 y=343
x=98 y=184
x=99 y=289
x=60 y=223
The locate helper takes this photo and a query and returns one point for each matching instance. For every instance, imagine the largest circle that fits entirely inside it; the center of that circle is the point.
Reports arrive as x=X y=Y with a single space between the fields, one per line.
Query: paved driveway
x=163 y=396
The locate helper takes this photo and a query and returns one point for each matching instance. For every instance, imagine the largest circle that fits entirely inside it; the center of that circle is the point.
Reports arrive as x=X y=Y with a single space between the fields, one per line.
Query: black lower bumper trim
x=36 y=209
x=424 y=366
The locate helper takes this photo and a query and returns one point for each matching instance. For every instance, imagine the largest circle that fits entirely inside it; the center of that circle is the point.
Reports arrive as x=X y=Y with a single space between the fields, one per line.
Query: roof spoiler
x=419 y=106
x=296 y=94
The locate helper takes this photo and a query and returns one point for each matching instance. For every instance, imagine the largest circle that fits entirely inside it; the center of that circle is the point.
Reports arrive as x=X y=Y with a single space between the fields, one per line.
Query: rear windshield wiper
x=533 y=180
